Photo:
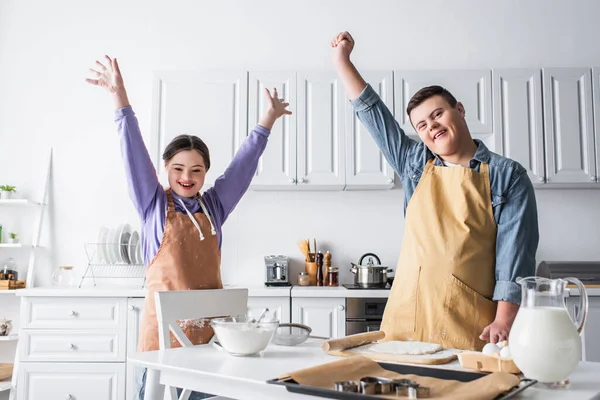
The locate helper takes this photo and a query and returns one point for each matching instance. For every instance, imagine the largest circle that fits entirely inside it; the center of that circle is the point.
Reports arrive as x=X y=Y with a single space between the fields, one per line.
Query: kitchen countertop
x=204 y=368
x=340 y=291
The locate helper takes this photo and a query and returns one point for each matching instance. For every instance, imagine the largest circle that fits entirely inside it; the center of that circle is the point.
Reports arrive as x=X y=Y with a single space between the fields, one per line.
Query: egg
x=490 y=349
x=505 y=352
x=502 y=344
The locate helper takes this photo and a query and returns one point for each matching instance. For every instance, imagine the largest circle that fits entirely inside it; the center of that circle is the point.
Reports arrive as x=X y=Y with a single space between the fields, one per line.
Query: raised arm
x=141 y=175
x=370 y=109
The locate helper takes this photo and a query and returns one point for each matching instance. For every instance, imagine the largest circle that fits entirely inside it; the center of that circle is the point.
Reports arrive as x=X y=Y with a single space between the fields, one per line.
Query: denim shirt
x=512 y=194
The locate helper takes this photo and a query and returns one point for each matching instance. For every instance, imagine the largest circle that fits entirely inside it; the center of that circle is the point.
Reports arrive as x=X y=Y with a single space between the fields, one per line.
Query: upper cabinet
x=518 y=124
x=473 y=88
x=366 y=167
x=209 y=104
x=596 y=92
x=569 y=130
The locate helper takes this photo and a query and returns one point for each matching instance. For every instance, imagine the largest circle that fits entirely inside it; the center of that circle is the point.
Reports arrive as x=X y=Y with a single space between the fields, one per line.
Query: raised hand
x=109 y=77
x=342 y=46
x=276 y=107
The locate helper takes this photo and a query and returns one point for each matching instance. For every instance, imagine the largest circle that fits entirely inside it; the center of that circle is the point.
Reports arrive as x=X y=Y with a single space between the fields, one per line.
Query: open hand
x=342 y=46
x=276 y=107
x=107 y=76
x=497 y=331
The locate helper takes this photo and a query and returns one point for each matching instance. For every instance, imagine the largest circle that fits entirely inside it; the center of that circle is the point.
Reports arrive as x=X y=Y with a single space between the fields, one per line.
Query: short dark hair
x=427 y=92
x=187 y=142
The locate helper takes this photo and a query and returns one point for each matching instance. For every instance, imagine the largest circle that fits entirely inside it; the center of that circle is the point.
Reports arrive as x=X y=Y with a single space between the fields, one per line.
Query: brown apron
x=183 y=262
x=445 y=277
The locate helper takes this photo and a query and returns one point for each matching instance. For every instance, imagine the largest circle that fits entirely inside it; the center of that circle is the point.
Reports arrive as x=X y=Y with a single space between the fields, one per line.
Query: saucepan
x=371 y=275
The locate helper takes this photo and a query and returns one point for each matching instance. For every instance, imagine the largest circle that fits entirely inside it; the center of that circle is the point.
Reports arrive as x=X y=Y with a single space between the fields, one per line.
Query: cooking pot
x=370 y=275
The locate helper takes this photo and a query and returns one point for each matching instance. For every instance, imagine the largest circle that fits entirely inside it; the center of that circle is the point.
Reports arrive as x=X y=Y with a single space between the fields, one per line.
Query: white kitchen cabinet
x=366 y=167
x=212 y=105
x=279 y=307
x=326 y=316
x=277 y=166
x=591 y=332
x=518 y=123
x=473 y=88
x=596 y=101
x=306 y=149
x=71 y=381
x=135 y=307
x=569 y=130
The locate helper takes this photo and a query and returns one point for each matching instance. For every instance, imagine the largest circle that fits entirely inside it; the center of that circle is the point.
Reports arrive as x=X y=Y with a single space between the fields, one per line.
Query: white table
x=206 y=369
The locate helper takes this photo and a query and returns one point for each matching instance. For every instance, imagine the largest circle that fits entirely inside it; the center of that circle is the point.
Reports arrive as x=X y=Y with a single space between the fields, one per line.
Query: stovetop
x=353 y=286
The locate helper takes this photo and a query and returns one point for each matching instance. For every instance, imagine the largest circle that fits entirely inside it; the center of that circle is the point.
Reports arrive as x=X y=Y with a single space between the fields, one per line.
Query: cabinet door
x=473 y=88
x=596 y=94
x=366 y=167
x=277 y=166
x=42 y=381
x=570 y=153
x=279 y=307
x=209 y=104
x=326 y=316
x=591 y=331
x=135 y=307
x=321 y=161
x=518 y=129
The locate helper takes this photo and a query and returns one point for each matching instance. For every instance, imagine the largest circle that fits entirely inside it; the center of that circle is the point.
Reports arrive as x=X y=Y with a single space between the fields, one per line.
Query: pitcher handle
x=583 y=302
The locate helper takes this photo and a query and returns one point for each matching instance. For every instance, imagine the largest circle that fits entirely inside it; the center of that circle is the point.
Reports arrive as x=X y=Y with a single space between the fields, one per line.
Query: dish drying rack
x=113 y=261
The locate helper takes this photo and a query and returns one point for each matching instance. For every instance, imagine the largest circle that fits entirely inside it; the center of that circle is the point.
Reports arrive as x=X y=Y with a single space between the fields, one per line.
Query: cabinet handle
x=341 y=307
x=593 y=178
x=71 y=346
x=72 y=313
x=542 y=179
x=390 y=180
x=301 y=180
x=131 y=308
x=68 y=397
x=292 y=180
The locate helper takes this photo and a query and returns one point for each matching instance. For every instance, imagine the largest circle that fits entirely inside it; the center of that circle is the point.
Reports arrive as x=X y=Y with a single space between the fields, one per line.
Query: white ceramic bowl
x=242 y=338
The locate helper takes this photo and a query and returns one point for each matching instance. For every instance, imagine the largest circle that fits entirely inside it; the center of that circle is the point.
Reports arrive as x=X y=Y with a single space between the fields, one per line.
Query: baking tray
x=461 y=376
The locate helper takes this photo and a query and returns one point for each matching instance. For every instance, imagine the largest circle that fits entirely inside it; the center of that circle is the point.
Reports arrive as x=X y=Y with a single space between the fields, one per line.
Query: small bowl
x=239 y=337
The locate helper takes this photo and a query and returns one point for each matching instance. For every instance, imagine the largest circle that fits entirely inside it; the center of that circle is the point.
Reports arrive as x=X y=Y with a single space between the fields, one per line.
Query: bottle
x=333 y=274
x=319 y=259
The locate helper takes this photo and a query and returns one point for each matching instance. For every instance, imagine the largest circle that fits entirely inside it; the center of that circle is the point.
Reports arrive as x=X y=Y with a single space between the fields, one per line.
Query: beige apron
x=446 y=271
x=183 y=262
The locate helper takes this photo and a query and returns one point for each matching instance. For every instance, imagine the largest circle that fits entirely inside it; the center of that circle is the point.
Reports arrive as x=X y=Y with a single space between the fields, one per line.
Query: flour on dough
x=399 y=348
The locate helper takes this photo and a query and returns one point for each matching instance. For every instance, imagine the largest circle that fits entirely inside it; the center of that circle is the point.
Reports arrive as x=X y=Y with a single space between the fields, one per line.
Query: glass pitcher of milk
x=544 y=341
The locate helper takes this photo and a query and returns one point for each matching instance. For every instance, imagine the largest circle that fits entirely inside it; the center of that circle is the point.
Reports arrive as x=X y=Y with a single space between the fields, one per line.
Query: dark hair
x=187 y=142
x=427 y=92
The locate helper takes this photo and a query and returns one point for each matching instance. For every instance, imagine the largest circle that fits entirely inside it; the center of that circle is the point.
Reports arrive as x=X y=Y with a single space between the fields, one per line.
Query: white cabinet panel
x=72 y=312
x=72 y=345
x=591 y=331
x=326 y=316
x=570 y=152
x=135 y=307
x=518 y=128
x=366 y=167
x=277 y=166
x=596 y=94
x=74 y=381
x=209 y=104
x=321 y=133
x=473 y=88
x=279 y=307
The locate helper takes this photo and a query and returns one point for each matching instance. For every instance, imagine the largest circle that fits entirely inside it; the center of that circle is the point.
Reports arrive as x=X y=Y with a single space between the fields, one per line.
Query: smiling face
x=440 y=126
x=186 y=171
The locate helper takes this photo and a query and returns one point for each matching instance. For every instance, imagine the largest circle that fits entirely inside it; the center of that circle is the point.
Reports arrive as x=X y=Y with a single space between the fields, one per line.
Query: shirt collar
x=482 y=155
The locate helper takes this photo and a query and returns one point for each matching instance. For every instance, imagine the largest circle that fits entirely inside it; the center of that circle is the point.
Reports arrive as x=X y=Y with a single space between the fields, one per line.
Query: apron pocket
x=466 y=313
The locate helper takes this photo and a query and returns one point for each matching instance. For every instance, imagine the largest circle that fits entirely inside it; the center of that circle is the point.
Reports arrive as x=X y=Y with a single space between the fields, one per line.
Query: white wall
x=46 y=48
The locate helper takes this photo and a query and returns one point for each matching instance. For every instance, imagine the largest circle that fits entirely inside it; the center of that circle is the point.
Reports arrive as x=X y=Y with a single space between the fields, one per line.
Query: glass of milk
x=544 y=341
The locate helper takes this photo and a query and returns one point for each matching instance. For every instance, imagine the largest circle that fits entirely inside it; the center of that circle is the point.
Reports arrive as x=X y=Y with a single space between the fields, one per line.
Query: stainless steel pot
x=370 y=275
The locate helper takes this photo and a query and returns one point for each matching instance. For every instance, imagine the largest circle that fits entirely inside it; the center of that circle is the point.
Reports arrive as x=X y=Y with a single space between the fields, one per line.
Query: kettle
x=370 y=275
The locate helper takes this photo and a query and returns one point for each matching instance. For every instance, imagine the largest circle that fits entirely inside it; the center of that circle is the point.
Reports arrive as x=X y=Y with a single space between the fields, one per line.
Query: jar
x=333 y=276
x=303 y=279
x=64 y=276
x=9 y=270
x=5 y=327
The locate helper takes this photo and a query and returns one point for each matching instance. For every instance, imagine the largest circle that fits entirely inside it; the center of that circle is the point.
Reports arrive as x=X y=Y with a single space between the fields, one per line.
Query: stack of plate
x=119 y=246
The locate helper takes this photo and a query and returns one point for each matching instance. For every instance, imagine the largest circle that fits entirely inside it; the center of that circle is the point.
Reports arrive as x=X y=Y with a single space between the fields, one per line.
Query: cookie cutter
x=411 y=389
x=376 y=385
x=346 y=386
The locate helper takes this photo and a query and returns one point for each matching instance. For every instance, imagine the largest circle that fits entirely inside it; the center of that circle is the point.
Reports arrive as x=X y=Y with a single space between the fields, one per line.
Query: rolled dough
x=399 y=348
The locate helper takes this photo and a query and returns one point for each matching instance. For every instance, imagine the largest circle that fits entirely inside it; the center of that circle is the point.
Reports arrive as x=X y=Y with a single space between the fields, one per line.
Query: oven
x=364 y=314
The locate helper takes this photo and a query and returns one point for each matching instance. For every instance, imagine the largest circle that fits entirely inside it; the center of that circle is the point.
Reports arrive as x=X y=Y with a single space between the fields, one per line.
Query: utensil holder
x=311 y=270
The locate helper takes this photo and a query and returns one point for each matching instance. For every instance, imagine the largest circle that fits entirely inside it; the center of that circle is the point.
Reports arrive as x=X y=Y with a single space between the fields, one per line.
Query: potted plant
x=6 y=191
x=14 y=238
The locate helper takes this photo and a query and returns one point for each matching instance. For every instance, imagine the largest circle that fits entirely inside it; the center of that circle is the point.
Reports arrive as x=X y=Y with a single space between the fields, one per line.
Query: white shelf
x=9 y=338
x=14 y=245
x=8 y=291
x=5 y=385
x=18 y=202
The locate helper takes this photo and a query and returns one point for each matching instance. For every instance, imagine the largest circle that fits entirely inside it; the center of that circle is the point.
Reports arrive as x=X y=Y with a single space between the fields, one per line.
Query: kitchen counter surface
x=204 y=368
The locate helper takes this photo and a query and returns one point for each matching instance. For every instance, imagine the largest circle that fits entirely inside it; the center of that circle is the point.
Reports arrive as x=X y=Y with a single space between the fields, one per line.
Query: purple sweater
x=149 y=197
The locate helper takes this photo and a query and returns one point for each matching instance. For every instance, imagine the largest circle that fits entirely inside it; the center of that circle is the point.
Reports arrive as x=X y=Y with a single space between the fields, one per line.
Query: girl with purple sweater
x=181 y=228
